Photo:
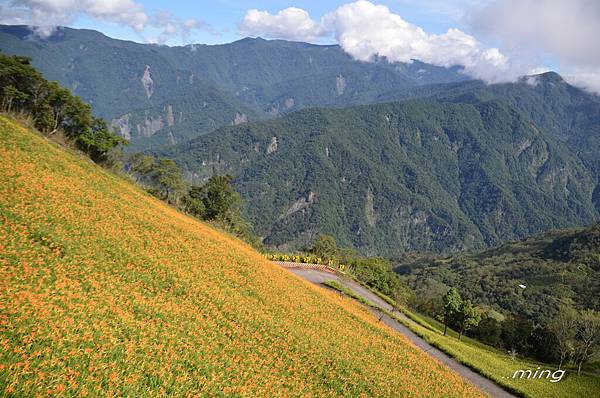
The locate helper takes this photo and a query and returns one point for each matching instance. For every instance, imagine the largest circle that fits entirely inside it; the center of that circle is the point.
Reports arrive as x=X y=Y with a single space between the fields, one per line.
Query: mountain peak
x=550 y=77
x=249 y=39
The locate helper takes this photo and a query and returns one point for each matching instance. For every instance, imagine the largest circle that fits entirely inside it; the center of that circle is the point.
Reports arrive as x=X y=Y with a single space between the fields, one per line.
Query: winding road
x=318 y=277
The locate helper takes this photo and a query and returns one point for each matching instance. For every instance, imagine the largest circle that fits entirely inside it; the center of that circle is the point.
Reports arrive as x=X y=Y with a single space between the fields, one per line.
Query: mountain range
x=158 y=95
x=402 y=176
x=387 y=157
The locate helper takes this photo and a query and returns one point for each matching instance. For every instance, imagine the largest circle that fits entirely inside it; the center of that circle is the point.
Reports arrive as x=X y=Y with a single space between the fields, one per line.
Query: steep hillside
x=569 y=114
x=147 y=89
x=560 y=267
x=388 y=178
x=107 y=291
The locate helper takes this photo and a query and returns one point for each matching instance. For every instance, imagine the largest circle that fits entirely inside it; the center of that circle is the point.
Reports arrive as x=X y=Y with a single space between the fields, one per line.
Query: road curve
x=318 y=277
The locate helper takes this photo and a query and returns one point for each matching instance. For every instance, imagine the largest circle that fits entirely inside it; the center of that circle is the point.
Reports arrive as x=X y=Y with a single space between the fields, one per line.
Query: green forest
x=522 y=289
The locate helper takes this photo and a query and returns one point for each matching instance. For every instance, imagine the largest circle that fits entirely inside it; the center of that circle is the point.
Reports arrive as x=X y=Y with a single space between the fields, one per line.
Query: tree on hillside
x=325 y=247
x=467 y=317
x=140 y=166
x=377 y=273
x=221 y=201
x=168 y=177
x=543 y=344
x=488 y=331
x=12 y=95
x=217 y=201
x=54 y=108
x=193 y=202
x=516 y=333
x=452 y=303
x=587 y=340
x=564 y=329
x=97 y=141
x=162 y=177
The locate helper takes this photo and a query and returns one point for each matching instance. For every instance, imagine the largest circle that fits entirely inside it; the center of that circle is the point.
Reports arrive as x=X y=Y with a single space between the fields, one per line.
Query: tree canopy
x=53 y=108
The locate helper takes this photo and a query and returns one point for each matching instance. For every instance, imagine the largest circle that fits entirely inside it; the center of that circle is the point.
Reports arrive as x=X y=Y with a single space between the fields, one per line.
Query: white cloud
x=45 y=15
x=291 y=24
x=536 y=29
x=588 y=78
x=365 y=30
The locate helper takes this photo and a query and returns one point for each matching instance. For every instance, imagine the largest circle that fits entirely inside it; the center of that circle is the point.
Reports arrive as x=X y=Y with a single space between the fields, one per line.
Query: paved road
x=486 y=385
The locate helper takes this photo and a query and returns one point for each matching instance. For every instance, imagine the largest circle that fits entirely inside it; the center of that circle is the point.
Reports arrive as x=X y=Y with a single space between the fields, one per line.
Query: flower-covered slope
x=106 y=291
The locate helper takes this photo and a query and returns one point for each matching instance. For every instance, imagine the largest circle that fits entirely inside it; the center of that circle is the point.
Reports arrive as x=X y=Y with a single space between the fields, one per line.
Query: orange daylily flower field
x=105 y=291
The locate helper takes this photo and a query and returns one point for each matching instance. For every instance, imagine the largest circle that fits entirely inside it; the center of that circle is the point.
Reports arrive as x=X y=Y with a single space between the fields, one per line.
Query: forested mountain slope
x=387 y=178
x=569 y=113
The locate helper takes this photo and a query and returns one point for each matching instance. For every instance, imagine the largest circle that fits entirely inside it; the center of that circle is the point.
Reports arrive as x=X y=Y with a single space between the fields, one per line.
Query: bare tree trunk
x=56 y=116
x=562 y=358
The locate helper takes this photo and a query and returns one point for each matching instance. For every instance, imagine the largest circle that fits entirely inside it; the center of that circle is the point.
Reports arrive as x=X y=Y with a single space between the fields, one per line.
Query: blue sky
x=224 y=15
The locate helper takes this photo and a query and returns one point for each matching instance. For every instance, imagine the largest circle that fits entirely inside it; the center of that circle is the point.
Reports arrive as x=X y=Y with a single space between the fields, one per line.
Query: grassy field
x=105 y=291
x=489 y=361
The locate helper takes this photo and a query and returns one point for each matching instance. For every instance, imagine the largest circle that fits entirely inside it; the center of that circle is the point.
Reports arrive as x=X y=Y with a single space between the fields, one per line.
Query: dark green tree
x=97 y=141
x=488 y=331
x=325 y=247
x=221 y=201
x=193 y=202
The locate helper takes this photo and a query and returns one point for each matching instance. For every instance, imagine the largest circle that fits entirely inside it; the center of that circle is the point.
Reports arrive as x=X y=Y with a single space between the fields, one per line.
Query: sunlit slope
x=107 y=291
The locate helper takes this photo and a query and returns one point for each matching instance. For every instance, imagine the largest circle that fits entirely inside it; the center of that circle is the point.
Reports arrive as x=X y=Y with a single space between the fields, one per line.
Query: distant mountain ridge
x=426 y=175
x=158 y=95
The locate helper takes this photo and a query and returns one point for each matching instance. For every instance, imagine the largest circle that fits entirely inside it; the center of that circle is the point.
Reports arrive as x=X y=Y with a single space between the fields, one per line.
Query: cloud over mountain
x=366 y=30
x=565 y=30
x=46 y=15
x=291 y=24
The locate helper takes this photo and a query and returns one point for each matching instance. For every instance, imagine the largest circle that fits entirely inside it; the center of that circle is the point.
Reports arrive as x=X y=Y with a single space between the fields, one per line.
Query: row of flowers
x=304 y=259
